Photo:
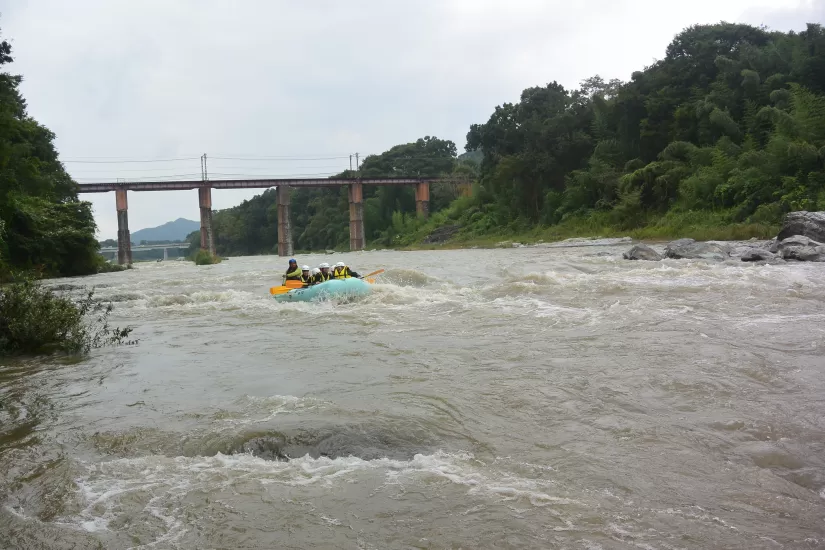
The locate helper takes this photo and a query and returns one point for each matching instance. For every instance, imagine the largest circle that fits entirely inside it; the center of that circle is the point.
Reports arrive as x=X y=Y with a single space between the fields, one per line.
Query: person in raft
x=306 y=277
x=342 y=271
x=324 y=275
x=292 y=272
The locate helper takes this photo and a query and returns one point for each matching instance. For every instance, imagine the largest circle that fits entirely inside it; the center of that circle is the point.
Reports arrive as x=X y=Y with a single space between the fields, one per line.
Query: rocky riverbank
x=800 y=239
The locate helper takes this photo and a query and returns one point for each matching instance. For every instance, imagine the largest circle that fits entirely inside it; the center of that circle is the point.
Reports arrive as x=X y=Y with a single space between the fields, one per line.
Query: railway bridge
x=283 y=186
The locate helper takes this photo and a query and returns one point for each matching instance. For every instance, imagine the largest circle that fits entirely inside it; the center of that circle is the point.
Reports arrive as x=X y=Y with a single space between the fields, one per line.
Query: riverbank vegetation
x=45 y=231
x=44 y=228
x=35 y=319
x=204 y=257
x=718 y=139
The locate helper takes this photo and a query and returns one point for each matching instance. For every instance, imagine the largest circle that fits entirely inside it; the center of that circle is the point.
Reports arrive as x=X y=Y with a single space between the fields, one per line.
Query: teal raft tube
x=331 y=289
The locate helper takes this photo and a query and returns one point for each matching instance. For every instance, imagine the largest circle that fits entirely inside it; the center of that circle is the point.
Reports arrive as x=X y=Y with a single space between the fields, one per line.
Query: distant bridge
x=204 y=187
x=115 y=249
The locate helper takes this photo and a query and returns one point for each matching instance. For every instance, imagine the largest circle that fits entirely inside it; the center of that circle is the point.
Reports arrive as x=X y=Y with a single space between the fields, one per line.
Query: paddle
x=286 y=287
x=371 y=274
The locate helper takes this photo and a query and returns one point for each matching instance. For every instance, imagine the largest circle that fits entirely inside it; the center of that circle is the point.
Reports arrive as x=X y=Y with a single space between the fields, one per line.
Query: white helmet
x=315 y=271
x=304 y=268
x=324 y=265
x=340 y=264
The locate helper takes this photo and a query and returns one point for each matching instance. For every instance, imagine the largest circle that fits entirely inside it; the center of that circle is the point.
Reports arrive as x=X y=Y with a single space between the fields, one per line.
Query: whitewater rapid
x=524 y=398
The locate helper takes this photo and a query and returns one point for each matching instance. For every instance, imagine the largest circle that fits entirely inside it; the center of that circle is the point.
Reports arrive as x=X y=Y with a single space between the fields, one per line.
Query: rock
x=330 y=252
x=517 y=245
x=442 y=234
x=806 y=224
x=757 y=255
x=800 y=247
x=688 y=249
x=642 y=252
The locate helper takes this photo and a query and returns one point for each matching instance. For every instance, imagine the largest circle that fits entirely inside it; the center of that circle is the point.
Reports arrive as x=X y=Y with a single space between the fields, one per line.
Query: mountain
x=170 y=231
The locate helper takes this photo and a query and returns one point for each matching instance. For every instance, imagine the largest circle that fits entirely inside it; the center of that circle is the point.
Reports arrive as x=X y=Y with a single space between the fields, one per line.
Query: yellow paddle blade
x=286 y=287
x=380 y=271
x=370 y=280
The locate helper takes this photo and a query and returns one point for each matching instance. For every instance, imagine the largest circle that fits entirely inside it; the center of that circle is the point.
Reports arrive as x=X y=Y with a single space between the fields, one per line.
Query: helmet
x=304 y=268
x=315 y=271
x=292 y=261
x=324 y=265
x=340 y=264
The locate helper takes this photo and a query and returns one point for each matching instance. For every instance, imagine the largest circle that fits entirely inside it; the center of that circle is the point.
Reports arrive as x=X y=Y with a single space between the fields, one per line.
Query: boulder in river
x=757 y=255
x=800 y=248
x=642 y=252
x=688 y=249
x=806 y=224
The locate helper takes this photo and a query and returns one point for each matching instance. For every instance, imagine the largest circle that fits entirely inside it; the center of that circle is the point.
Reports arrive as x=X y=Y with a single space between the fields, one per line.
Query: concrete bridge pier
x=422 y=199
x=165 y=254
x=124 y=239
x=205 y=202
x=356 y=216
x=284 y=227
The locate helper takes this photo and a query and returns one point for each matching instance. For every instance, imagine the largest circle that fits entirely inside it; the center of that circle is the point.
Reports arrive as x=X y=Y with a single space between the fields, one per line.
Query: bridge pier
x=356 y=216
x=284 y=226
x=124 y=239
x=422 y=199
x=205 y=202
x=165 y=253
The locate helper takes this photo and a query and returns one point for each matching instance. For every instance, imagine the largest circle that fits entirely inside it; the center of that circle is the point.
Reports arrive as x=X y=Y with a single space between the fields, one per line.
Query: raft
x=330 y=289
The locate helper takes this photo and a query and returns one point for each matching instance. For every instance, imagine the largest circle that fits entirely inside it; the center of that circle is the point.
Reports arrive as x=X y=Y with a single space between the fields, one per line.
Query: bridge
x=204 y=187
x=114 y=250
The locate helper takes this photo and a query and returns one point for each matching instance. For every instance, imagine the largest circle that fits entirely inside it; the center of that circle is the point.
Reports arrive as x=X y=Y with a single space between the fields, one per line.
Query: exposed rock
x=579 y=241
x=330 y=252
x=642 y=252
x=806 y=224
x=688 y=249
x=757 y=255
x=800 y=248
x=517 y=245
x=442 y=234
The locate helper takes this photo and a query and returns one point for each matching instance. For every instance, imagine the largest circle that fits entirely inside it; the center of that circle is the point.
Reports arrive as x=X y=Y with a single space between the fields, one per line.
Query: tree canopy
x=731 y=122
x=43 y=226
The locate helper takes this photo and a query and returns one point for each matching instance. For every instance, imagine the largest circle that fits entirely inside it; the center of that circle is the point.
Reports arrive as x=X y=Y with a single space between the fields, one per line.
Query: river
x=518 y=398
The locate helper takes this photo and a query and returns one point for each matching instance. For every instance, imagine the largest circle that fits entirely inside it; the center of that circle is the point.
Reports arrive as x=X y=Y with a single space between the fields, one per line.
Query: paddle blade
x=380 y=271
x=370 y=280
x=279 y=289
x=294 y=284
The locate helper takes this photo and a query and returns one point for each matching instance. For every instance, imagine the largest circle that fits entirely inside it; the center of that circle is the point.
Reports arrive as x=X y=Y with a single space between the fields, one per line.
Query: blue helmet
x=292 y=261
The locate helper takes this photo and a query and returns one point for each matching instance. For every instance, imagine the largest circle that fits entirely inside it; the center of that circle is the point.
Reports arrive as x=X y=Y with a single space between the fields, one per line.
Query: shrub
x=204 y=257
x=34 y=319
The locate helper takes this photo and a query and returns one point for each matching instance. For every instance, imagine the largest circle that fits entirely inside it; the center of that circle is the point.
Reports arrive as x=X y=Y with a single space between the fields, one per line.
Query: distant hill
x=170 y=231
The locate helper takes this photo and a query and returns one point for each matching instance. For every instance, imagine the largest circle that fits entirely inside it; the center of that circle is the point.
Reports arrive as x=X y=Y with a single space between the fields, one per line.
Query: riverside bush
x=203 y=257
x=35 y=319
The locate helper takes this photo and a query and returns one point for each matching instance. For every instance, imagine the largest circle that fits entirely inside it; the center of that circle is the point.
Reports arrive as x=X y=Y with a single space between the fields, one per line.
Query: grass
x=699 y=225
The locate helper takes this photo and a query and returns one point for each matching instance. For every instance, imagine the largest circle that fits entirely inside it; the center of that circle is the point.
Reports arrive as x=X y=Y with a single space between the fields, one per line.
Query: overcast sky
x=126 y=80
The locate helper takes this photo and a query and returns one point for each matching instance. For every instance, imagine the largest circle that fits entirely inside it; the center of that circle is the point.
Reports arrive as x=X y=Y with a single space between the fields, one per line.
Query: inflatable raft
x=331 y=289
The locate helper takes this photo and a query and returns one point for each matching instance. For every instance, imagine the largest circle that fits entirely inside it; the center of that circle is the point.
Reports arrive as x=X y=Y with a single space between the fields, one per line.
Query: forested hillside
x=320 y=217
x=43 y=227
x=728 y=129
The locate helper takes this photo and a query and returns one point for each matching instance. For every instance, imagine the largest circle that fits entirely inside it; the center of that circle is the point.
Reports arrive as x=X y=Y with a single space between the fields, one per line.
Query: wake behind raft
x=334 y=288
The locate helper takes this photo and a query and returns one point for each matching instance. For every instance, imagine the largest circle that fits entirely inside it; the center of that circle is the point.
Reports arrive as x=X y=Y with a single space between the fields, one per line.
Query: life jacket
x=294 y=275
x=320 y=278
x=307 y=280
x=342 y=273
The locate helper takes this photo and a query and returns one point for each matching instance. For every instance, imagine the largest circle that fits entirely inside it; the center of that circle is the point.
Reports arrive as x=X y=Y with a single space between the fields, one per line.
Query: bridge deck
x=242 y=184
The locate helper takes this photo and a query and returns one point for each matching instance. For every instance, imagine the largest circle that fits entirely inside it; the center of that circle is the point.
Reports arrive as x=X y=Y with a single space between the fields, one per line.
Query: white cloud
x=159 y=79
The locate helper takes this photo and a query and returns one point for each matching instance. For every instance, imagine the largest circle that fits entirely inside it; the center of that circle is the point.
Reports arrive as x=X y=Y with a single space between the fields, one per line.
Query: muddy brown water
x=525 y=398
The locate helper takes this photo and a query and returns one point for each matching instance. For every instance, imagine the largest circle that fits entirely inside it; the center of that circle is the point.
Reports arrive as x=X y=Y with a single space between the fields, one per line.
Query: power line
x=70 y=161
x=244 y=159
